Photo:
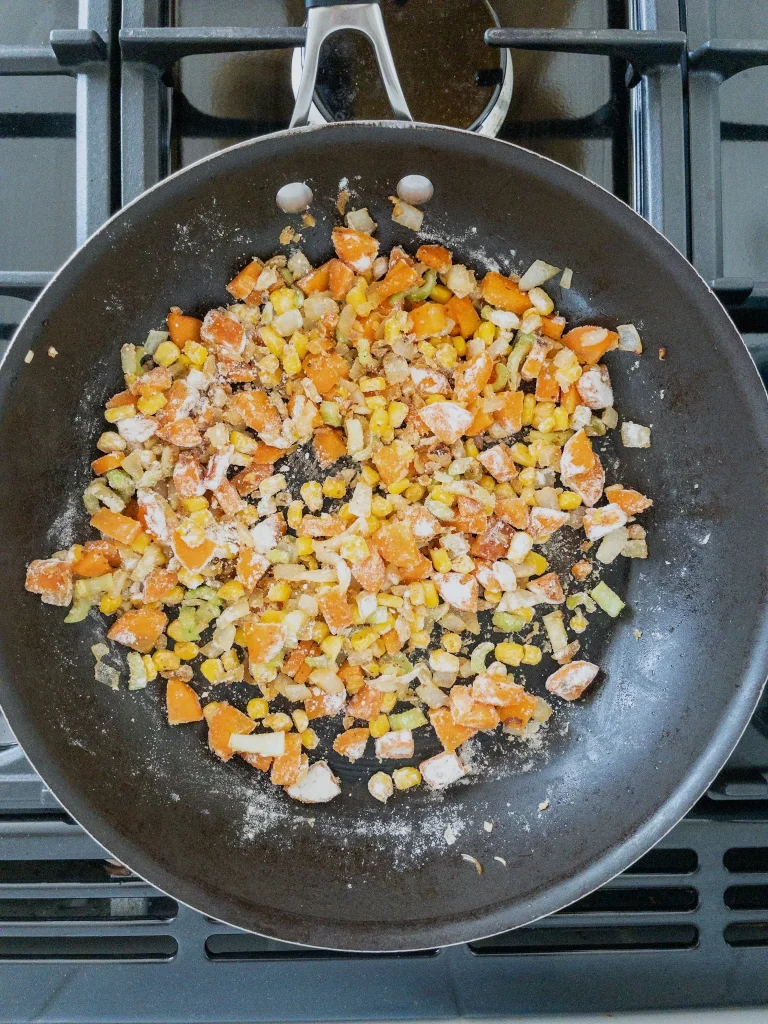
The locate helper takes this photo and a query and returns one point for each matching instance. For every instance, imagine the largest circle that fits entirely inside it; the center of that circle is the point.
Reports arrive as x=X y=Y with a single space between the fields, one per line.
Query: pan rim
x=423 y=935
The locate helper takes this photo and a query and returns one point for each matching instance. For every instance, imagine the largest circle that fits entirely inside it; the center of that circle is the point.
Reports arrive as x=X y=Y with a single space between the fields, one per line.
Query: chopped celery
x=79 y=609
x=412 y=719
x=202 y=593
x=422 y=292
x=573 y=602
x=508 y=622
x=206 y=613
x=330 y=413
x=609 y=601
x=320 y=661
x=187 y=621
x=550 y=437
x=122 y=483
x=155 y=339
x=92 y=588
x=130 y=360
x=521 y=348
x=477 y=659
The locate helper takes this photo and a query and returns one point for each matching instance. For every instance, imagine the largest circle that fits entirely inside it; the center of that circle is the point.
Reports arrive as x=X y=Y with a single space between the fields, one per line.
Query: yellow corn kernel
x=312 y=494
x=568 y=501
x=195 y=353
x=272 y=615
x=212 y=669
x=414 y=493
x=379 y=726
x=415 y=594
x=279 y=722
x=148 y=405
x=451 y=643
x=431 y=598
x=399 y=487
x=527 y=476
x=198 y=504
x=141 y=544
x=166 y=661
x=397 y=412
x=560 y=416
x=149 y=667
x=406 y=778
x=547 y=424
x=166 y=353
x=279 y=591
x=528 y=495
x=231 y=591
x=447 y=356
x=420 y=639
x=282 y=300
x=460 y=344
x=509 y=653
x=176 y=631
x=354 y=548
x=379 y=421
x=542 y=412
x=189 y=579
x=230 y=661
x=381 y=507
x=389 y=600
x=493 y=596
x=331 y=646
x=291 y=361
x=76 y=551
x=441 y=560
x=109 y=605
x=434 y=399
x=344 y=514
x=376 y=403
x=186 y=650
x=470 y=448
x=524 y=613
x=300 y=719
x=486 y=332
x=522 y=454
x=369 y=476
x=388 y=703
x=578 y=622
x=427 y=349
x=505 y=490
x=533 y=560
x=304 y=546
x=531 y=654
x=240 y=638
x=529 y=407
x=300 y=342
x=363 y=638
x=309 y=739
x=295 y=514
x=369 y=384
x=257 y=707
x=174 y=596
x=487 y=482
x=311 y=562
x=440 y=293
x=334 y=487
x=440 y=494
x=121 y=412
x=183 y=361
x=274 y=343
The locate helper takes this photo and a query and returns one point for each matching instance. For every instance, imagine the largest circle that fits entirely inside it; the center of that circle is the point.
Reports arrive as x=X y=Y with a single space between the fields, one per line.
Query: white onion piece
x=415 y=188
x=318 y=786
x=537 y=274
x=361 y=220
x=629 y=339
x=294 y=197
x=566 y=278
x=268 y=744
x=612 y=545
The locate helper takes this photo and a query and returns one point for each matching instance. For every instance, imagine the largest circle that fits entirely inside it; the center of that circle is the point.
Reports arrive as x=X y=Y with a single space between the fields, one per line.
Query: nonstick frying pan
x=683 y=668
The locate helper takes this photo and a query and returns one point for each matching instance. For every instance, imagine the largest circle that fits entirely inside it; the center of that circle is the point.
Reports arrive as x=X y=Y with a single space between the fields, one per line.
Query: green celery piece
x=609 y=601
x=412 y=719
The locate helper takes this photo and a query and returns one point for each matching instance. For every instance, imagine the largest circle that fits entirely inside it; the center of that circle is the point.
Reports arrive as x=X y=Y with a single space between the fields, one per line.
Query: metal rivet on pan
x=415 y=188
x=294 y=198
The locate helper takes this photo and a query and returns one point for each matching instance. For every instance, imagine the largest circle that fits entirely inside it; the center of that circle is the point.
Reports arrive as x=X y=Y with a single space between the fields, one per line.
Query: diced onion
x=361 y=220
x=629 y=339
x=566 y=278
x=558 y=638
x=612 y=545
x=537 y=274
x=268 y=744
x=407 y=216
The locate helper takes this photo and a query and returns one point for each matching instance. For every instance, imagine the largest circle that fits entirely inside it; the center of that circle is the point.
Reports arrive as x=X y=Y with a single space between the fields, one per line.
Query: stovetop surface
x=82 y=939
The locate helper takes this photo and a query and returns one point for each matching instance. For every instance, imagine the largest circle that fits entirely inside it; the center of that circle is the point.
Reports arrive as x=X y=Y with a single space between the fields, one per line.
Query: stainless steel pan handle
x=324 y=17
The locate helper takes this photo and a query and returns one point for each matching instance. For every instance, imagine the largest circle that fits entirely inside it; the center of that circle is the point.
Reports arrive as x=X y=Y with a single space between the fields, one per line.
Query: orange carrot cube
x=366 y=703
x=499 y=291
x=183 y=328
x=116 y=526
x=429 y=319
x=435 y=256
x=351 y=744
x=139 y=629
x=448 y=732
x=51 y=579
x=182 y=703
x=329 y=446
x=335 y=610
x=224 y=721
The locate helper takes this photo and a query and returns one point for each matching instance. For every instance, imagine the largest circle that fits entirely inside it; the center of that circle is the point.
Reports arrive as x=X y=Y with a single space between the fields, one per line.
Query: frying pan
x=682 y=668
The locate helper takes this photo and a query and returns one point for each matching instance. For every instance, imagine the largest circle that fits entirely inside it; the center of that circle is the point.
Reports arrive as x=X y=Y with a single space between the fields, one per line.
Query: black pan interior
x=683 y=669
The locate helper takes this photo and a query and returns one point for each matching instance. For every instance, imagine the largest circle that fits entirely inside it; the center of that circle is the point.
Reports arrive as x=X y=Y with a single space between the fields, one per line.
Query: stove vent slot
x=746 y=860
x=747 y=933
x=95 y=949
x=747 y=897
x=578 y=940
x=645 y=900
x=664 y=861
x=64 y=872
x=239 y=946
x=125 y=909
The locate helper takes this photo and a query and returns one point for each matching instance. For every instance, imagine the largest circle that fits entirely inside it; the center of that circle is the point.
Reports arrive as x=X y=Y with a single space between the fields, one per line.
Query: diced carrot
x=570 y=681
x=298 y=656
x=182 y=703
x=265 y=640
x=325 y=525
x=489 y=688
x=494 y=543
x=448 y=421
x=158 y=584
x=139 y=629
x=286 y=769
x=223 y=722
x=435 y=256
x=351 y=744
x=590 y=343
x=340 y=279
x=229 y=500
x=632 y=502
x=257 y=761
x=553 y=327
x=429 y=319
x=195 y=558
x=237 y=373
x=242 y=284
x=519 y=708
x=352 y=676
x=470 y=518
x=448 y=732
x=121 y=399
x=543 y=522
x=547 y=388
x=116 y=526
x=581 y=469
x=251 y=566
x=248 y=480
x=392 y=642
x=183 y=328
x=472 y=377
x=366 y=703
x=548 y=587
x=397 y=743
x=335 y=610
x=598 y=522
x=397 y=544
x=355 y=248
x=266 y=455
x=369 y=572
x=106 y=548
x=258 y=412
x=223 y=334
x=464 y=314
x=514 y=511
x=179 y=398
x=569 y=399
x=414 y=571
x=499 y=291
x=393 y=462
x=107 y=462
x=91 y=564
x=481 y=419
x=498 y=462
x=400 y=277
x=316 y=280
x=51 y=579
x=323 y=705
x=157 y=379
x=183 y=433
x=325 y=369
x=329 y=446
x=466 y=711
x=510 y=415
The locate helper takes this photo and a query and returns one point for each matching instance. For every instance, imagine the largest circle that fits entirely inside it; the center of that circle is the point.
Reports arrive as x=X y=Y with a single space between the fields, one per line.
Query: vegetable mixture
x=452 y=419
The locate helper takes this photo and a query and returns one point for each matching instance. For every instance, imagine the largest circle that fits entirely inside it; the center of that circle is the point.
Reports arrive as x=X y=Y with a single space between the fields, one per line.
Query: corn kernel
x=291 y=361
x=509 y=653
x=309 y=739
x=195 y=353
x=560 y=416
x=311 y=562
x=470 y=448
x=231 y=591
x=230 y=660
x=528 y=495
x=300 y=342
x=174 y=596
x=186 y=650
x=568 y=501
x=486 y=332
x=176 y=631
x=445 y=497
x=334 y=487
x=148 y=405
x=141 y=544
x=460 y=345
x=527 y=476
x=396 y=413
x=451 y=643
x=331 y=646
x=441 y=560
x=493 y=596
x=533 y=560
x=381 y=507
x=354 y=548
x=379 y=421
x=109 y=605
x=240 y=638
x=542 y=412
x=166 y=661
x=195 y=504
x=440 y=293
x=149 y=667
x=166 y=353
x=414 y=492
x=524 y=613
x=529 y=407
x=344 y=513
x=379 y=726
x=447 y=356
x=431 y=598
x=272 y=615
x=375 y=403
x=274 y=343
x=304 y=546
x=279 y=722
x=388 y=702
x=190 y=579
x=434 y=399
x=212 y=669
x=312 y=493
x=416 y=594
x=300 y=719
x=279 y=591
x=120 y=412
x=363 y=639
x=531 y=654
x=505 y=490
x=522 y=454
x=399 y=487
x=487 y=482
x=420 y=639
x=369 y=476
x=390 y=600
x=427 y=349
x=282 y=299
x=295 y=514
x=406 y=778
x=257 y=707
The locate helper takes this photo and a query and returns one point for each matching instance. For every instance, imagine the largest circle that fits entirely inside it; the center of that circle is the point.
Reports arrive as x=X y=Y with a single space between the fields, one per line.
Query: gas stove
x=663 y=103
